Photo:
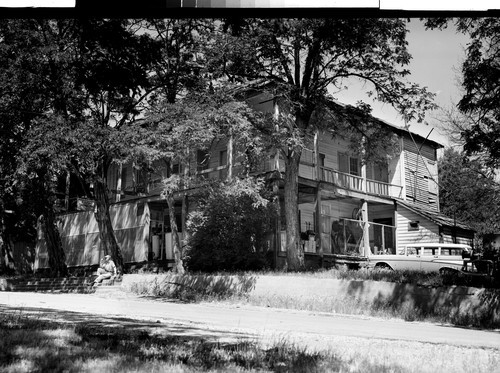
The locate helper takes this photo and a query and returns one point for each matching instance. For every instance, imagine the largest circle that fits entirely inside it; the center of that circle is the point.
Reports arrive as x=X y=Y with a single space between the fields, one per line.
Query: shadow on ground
x=41 y=340
x=71 y=318
x=458 y=305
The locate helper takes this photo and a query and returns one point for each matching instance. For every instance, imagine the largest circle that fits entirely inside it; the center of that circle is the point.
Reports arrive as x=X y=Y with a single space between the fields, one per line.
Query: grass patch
x=193 y=287
x=237 y=288
x=42 y=344
x=35 y=345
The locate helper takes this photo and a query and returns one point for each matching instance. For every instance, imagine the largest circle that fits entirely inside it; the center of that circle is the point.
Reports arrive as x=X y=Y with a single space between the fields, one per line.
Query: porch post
x=316 y=157
x=230 y=157
x=119 y=183
x=318 y=230
x=366 y=233
x=364 y=210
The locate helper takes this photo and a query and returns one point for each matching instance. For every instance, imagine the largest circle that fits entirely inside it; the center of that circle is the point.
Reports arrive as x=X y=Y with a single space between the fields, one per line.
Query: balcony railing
x=357 y=183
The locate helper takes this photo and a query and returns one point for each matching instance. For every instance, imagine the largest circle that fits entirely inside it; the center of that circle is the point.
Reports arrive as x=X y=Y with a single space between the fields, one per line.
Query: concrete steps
x=57 y=285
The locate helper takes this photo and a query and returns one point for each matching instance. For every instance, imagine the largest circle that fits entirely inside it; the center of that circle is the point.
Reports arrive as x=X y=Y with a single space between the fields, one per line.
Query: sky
x=437 y=57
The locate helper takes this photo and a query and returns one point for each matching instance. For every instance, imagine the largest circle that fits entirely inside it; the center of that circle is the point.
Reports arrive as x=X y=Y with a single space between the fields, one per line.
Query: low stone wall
x=424 y=297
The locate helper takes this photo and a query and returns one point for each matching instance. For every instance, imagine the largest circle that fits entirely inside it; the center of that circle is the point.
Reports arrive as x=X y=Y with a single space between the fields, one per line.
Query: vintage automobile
x=428 y=257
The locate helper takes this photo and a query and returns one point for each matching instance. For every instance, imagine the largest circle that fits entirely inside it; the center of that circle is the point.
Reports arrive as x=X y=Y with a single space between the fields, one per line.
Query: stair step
x=62 y=284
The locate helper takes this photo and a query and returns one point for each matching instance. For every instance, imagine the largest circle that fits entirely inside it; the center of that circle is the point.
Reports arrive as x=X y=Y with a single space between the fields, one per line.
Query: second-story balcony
x=359 y=184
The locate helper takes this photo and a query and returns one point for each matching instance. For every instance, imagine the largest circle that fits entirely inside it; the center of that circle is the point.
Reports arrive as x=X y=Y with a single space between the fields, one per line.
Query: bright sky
x=436 y=62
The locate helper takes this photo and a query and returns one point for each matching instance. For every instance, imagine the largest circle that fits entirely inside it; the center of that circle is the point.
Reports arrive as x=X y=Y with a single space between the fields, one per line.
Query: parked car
x=428 y=257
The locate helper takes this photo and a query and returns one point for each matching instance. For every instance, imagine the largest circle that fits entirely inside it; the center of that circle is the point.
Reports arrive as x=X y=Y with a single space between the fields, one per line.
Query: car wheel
x=383 y=266
x=447 y=271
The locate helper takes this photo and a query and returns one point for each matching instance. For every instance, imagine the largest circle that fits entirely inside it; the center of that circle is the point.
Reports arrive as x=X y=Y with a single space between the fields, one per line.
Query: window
x=173 y=169
x=124 y=177
x=429 y=251
x=432 y=186
x=223 y=157
x=353 y=166
x=202 y=160
x=223 y=162
x=448 y=251
x=413 y=251
x=349 y=165
x=377 y=172
x=321 y=159
x=413 y=225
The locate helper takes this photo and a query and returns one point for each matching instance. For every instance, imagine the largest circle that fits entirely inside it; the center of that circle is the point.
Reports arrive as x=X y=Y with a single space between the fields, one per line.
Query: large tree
x=468 y=192
x=28 y=94
x=175 y=128
x=304 y=59
x=480 y=80
x=91 y=78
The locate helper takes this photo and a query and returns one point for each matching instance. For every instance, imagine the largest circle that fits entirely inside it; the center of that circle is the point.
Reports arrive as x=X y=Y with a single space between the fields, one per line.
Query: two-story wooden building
x=348 y=210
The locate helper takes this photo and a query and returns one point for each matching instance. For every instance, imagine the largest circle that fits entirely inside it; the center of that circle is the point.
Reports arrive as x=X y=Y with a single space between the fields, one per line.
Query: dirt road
x=253 y=321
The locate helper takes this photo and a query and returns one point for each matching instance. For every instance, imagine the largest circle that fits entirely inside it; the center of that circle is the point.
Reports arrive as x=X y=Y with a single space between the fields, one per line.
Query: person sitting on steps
x=106 y=270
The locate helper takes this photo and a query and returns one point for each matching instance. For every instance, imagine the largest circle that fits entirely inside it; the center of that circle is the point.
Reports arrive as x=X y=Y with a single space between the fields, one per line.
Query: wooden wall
x=427 y=231
x=421 y=174
x=81 y=241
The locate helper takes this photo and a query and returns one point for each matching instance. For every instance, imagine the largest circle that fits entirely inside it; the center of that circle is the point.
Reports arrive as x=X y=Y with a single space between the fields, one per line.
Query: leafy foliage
x=468 y=192
x=480 y=80
x=228 y=230
x=302 y=59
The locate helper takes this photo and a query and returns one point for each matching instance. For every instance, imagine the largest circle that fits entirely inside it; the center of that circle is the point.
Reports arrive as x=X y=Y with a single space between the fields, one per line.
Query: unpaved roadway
x=251 y=321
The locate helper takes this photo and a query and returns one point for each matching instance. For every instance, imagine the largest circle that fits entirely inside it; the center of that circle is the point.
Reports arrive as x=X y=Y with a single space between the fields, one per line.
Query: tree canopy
x=480 y=79
x=72 y=92
x=468 y=192
x=307 y=58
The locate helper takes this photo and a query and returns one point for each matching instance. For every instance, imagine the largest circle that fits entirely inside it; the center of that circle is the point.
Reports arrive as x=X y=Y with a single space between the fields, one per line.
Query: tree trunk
x=294 y=251
x=179 y=267
x=57 y=257
x=185 y=210
x=6 y=255
x=106 y=233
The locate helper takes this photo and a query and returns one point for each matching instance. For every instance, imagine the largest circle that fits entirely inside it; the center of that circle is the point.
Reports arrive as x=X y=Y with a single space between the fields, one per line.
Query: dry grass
x=191 y=287
x=239 y=288
x=42 y=344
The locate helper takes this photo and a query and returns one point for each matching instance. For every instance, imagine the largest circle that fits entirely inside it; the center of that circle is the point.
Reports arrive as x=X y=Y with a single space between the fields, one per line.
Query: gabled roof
x=252 y=87
x=399 y=130
x=434 y=216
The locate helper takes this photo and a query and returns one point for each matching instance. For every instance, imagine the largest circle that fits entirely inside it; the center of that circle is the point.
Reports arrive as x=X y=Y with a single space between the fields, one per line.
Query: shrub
x=230 y=230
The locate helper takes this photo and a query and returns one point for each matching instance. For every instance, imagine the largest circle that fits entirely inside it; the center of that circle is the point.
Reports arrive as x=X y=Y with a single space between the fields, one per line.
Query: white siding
x=428 y=231
x=395 y=171
x=421 y=174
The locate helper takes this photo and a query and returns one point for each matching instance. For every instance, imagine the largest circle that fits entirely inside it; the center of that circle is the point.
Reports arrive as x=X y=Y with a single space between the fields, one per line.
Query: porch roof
x=434 y=216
